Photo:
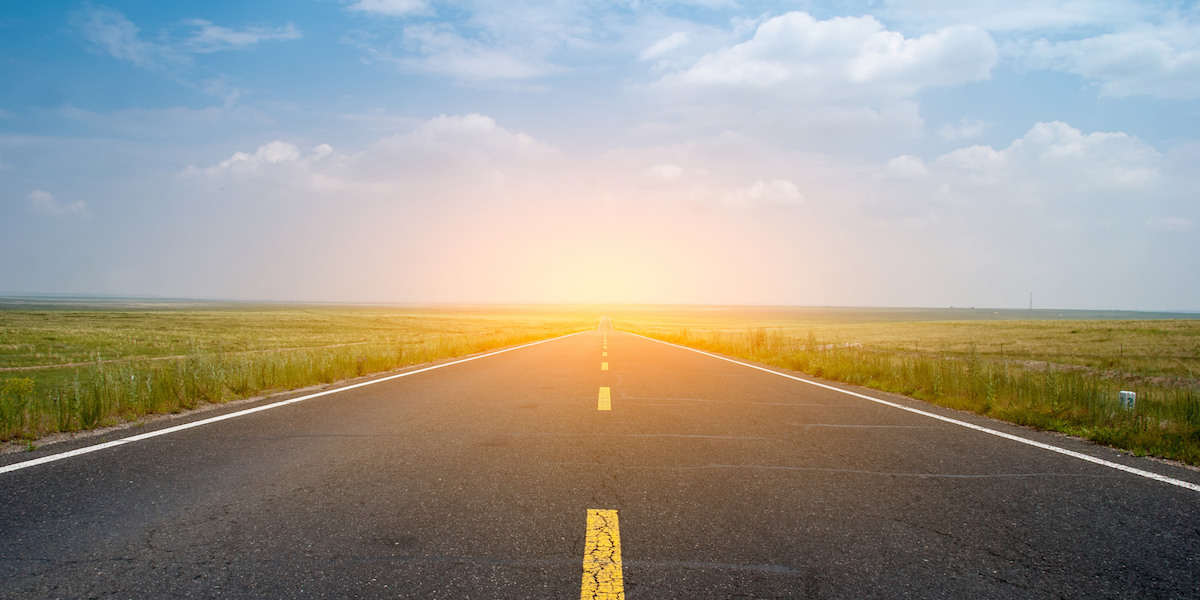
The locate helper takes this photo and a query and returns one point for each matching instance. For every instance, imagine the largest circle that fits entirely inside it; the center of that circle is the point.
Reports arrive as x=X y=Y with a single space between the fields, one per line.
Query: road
x=503 y=478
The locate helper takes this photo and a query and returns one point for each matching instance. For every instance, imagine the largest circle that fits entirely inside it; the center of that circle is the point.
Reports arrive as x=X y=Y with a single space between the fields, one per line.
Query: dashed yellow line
x=603 y=366
x=603 y=354
x=605 y=402
x=602 y=576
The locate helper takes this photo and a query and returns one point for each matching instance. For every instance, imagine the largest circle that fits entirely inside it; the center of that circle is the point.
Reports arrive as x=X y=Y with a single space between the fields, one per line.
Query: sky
x=887 y=153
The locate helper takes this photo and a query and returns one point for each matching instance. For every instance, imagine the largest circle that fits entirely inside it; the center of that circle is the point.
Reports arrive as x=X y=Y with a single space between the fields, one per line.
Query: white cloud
x=391 y=8
x=666 y=172
x=777 y=192
x=841 y=77
x=964 y=129
x=272 y=153
x=975 y=159
x=666 y=45
x=1168 y=224
x=907 y=167
x=441 y=50
x=844 y=57
x=1054 y=163
x=1150 y=60
x=45 y=202
x=209 y=38
x=1096 y=159
x=444 y=51
x=444 y=150
x=474 y=131
x=110 y=32
x=1017 y=15
x=491 y=44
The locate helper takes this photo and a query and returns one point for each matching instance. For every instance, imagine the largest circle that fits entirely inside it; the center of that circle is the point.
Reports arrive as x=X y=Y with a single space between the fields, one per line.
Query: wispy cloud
x=441 y=50
x=109 y=32
x=666 y=45
x=390 y=8
x=45 y=203
x=963 y=129
x=206 y=37
x=1169 y=224
x=1147 y=60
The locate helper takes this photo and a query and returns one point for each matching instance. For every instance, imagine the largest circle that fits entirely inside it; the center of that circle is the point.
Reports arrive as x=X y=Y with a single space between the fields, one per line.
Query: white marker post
x=1127 y=399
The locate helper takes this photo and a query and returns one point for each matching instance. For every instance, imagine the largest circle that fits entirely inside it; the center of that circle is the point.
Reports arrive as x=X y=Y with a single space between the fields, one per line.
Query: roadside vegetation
x=1055 y=375
x=70 y=369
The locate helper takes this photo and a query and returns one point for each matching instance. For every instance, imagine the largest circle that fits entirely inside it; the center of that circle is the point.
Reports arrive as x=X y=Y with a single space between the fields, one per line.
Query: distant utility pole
x=1030 y=300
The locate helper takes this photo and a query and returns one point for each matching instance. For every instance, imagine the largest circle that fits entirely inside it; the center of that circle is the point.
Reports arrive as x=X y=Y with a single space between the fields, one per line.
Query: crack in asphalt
x=602 y=576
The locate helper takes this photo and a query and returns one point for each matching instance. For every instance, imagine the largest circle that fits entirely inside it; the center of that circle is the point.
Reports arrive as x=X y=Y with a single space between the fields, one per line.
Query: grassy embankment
x=68 y=368
x=1058 y=375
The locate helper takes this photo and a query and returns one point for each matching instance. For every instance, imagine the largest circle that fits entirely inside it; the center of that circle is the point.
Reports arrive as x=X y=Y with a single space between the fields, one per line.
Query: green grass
x=1054 y=375
x=141 y=361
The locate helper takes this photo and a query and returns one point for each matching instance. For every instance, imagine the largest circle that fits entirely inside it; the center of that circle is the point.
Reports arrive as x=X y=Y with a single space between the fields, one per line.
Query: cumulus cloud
x=907 y=167
x=44 y=202
x=1053 y=176
x=844 y=57
x=844 y=76
x=777 y=192
x=272 y=153
x=1060 y=153
x=473 y=131
x=666 y=172
x=443 y=151
x=1150 y=60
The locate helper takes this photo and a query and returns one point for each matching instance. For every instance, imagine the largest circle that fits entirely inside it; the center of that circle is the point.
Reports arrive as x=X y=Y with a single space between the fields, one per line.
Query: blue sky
x=928 y=153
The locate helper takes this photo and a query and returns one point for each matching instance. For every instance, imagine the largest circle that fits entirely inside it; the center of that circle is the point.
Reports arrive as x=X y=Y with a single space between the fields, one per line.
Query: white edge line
x=1007 y=436
x=168 y=430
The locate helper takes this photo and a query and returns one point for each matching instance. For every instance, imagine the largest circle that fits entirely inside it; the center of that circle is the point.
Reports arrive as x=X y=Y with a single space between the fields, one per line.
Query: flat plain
x=1055 y=370
x=74 y=364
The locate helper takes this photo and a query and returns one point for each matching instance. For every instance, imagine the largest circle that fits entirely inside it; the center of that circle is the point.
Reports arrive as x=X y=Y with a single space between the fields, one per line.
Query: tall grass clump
x=107 y=393
x=1076 y=401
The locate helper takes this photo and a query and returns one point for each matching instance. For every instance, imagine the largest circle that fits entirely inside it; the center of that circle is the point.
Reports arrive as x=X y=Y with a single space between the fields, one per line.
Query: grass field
x=1054 y=370
x=67 y=365
x=72 y=365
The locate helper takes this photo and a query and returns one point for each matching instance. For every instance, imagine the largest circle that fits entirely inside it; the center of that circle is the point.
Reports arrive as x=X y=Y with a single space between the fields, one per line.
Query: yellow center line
x=605 y=402
x=603 y=366
x=602 y=577
x=603 y=354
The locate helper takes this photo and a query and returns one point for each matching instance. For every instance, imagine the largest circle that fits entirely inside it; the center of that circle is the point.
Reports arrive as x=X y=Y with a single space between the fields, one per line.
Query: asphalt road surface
x=503 y=478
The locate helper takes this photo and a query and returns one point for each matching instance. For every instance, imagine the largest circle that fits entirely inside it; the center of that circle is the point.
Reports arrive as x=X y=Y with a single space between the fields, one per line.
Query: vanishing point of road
x=597 y=465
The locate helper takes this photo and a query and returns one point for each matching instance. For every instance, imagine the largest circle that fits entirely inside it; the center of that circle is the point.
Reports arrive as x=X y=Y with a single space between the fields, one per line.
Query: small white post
x=1127 y=399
